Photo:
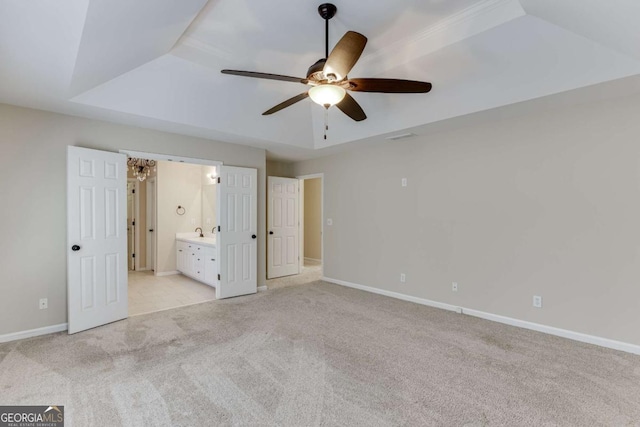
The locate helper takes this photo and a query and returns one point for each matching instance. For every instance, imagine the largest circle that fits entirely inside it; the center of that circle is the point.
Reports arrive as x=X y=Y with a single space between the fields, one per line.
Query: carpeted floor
x=311 y=272
x=320 y=354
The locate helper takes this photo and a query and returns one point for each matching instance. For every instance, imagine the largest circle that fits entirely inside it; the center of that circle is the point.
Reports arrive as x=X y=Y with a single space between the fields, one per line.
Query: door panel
x=283 y=227
x=237 y=240
x=97 y=229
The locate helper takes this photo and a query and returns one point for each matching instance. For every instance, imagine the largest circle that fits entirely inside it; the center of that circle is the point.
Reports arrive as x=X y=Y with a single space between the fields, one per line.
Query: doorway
x=168 y=283
x=312 y=225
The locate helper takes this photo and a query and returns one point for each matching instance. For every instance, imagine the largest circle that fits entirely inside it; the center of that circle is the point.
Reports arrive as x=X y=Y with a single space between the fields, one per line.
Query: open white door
x=282 y=226
x=96 y=238
x=237 y=242
x=151 y=224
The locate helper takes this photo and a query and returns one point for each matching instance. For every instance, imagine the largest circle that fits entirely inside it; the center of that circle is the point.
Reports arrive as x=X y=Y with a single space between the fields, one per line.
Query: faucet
x=201 y=235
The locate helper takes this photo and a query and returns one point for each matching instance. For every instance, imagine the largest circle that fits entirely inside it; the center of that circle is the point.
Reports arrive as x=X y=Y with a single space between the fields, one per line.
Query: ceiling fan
x=328 y=76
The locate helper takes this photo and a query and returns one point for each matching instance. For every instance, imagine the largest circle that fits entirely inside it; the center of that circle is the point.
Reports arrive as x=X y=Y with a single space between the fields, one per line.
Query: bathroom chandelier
x=141 y=168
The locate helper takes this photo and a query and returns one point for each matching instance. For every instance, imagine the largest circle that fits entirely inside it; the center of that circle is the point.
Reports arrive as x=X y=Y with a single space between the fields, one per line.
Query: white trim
x=564 y=333
x=312 y=259
x=167 y=273
x=479 y=17
x=170 y=158
x=301 y=236
x=262 y=288
x=391 y=294
x=33 y=332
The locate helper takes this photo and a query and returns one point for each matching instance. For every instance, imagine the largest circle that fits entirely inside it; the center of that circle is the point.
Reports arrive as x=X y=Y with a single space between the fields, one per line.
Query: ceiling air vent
x=400 y=136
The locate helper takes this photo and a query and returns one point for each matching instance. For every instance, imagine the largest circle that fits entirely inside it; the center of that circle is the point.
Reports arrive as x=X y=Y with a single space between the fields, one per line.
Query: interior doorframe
x=136 y=229
x=301 y=179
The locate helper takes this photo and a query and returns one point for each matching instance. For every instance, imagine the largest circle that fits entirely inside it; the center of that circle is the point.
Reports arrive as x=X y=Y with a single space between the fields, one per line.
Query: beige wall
x=279 y=168
x=547 y=204
x=33 y=248
x=312 y=218
x=178 y=184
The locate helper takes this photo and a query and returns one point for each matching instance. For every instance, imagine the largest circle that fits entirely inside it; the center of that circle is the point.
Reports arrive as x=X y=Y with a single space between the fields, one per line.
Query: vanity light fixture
x=141 y=168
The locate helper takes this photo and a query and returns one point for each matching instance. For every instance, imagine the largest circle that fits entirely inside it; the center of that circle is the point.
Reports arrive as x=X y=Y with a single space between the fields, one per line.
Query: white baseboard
x=167 y=273
x=262 y=288
x=142 y=269
x=564 y=333
x=33 y=333
x=397 y=295
x=312 y=259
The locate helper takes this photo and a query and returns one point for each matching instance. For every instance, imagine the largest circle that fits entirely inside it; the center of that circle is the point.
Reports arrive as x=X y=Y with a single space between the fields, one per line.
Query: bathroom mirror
x=209 y=180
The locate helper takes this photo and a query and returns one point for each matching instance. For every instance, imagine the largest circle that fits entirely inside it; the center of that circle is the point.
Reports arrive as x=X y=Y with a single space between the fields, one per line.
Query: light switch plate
x=329 y=221
x=404 y=182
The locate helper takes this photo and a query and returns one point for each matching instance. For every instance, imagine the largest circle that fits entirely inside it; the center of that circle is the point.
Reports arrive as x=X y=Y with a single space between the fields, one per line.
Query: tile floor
x=149 y=293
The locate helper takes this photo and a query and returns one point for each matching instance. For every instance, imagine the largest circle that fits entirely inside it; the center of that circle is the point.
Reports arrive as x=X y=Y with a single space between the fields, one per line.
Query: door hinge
x=218 y=277
x=133 y=191
x=133 y=223
x=218 y=229
x=218 y=180
x=133 y=255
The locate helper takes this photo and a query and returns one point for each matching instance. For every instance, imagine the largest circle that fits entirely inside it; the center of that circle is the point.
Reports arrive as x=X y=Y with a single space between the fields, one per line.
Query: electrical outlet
x=404 y=182
x=44 y=303
x=403 y=278
x=454 y=286
x=329 y=221
x=537 y=301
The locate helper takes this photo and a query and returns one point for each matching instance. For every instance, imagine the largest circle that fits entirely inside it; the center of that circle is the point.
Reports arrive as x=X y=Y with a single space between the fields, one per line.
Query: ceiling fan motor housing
x=327 y=10
x=315 y=71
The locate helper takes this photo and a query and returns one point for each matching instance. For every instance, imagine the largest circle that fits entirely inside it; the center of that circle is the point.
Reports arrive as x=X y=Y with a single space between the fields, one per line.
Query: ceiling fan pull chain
x=326 y=122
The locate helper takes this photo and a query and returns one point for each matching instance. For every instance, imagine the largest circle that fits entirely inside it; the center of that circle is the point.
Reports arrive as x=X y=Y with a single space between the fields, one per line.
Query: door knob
x=271 y=232
x=253 y=236
x=75 y=248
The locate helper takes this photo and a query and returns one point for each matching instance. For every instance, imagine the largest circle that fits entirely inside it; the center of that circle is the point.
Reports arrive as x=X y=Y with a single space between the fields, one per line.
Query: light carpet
x=320 y=354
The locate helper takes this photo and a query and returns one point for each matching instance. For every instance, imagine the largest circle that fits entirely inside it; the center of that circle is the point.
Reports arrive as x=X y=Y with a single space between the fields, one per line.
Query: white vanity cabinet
x=197 y=260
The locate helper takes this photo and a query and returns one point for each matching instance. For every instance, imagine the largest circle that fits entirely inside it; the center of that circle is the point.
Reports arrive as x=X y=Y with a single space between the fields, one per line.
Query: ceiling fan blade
x=345 y=54
x=389 y=86
x=286 y=103
x=351 y=108
x=266 y=76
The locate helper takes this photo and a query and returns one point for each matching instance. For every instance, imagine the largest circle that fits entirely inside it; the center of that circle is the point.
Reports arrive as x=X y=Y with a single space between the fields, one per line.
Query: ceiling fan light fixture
x=327 y=94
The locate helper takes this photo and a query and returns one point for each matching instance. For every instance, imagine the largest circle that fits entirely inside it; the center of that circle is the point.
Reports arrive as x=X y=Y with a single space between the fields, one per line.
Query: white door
x=151 y=224
x=96 y=238
x=282 y=227
x=131 y=224
x=237 y=240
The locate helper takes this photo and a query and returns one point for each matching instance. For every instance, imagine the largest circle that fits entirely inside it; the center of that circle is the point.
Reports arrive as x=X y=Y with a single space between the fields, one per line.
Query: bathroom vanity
x=196 y=257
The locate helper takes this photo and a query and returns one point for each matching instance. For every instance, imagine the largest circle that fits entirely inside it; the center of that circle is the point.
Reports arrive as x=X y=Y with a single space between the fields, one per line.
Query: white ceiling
x=156 y=63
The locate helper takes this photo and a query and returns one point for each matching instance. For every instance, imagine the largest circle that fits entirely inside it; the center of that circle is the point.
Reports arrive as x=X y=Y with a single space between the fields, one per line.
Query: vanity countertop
x=208 y=240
